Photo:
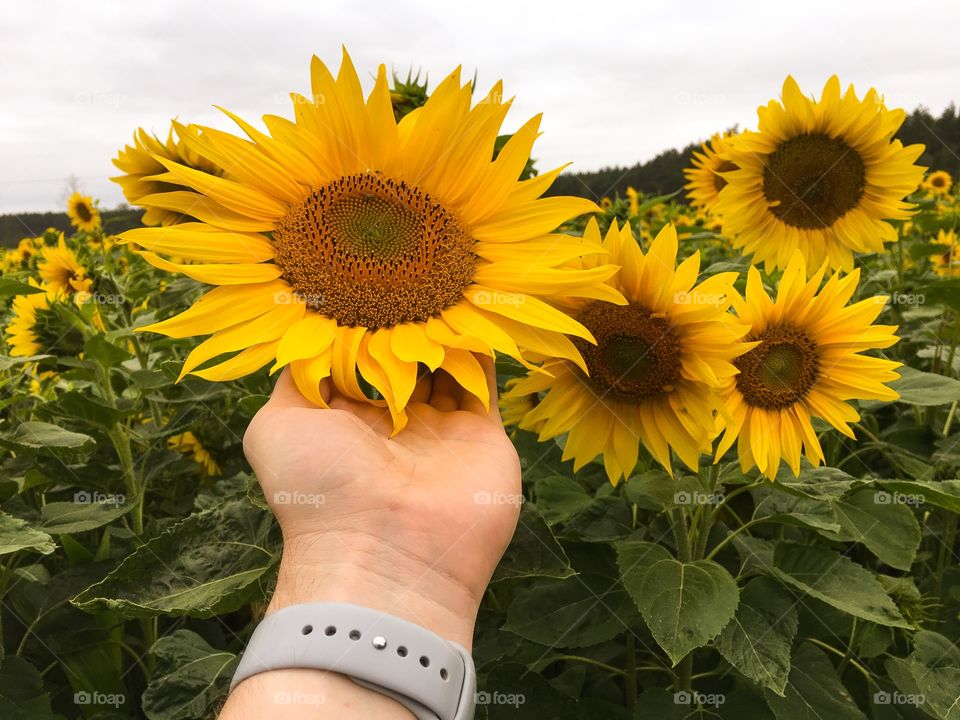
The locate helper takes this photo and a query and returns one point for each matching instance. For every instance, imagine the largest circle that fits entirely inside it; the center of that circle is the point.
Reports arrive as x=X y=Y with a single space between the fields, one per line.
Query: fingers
x=445 y=394
x=472 y=403
x=285 y=393
x=421 y=392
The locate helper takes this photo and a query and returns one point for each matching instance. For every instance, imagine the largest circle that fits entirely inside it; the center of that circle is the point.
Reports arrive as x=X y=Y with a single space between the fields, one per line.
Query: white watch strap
x=432 y=677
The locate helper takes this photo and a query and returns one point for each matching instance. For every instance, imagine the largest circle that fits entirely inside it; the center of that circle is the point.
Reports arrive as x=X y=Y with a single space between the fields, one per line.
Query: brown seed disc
x=780 y=371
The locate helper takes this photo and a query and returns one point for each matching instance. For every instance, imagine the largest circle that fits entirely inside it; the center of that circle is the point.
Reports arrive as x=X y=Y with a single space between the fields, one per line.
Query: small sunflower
x=514 y=407
x=22 y=330
x=807 y=364
x=346 y=241
x=706 y=177
x=822 y=177
x=188 y=444
x=947 y=263
x=143 y=160
x=938 y=182
x=655 y=369
x=62 y=272
x=83 y=213
x=633 y=198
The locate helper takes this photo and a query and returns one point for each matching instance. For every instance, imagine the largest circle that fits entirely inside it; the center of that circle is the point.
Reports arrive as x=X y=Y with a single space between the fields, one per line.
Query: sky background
x=617 y=83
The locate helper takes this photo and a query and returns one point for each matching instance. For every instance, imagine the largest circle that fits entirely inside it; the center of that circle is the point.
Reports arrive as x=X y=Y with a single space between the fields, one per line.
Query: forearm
x=361 y=571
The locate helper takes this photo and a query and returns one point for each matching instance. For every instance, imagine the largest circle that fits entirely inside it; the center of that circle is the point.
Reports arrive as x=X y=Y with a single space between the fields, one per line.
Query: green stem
x=720 y=545
x=631 y=673
x=681 y=535
x=685 y=674
x=590 y=661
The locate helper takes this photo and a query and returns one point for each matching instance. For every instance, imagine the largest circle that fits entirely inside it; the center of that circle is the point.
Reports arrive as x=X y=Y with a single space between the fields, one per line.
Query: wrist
x=364 y=570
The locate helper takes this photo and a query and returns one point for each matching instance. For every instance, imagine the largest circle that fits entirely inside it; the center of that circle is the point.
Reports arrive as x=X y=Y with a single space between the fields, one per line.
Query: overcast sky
x=618 y=82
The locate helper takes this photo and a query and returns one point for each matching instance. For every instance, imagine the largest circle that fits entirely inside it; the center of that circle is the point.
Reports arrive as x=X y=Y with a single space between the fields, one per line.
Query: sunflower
x=514 y=407
x=655 y=369
x=142 y=160
x=62 y=272
x=938 y=182
x=345 y=241
x=83 y=213
x=947 y=263
x=22 y=330
x=633 y=198
x=706 y=178
x=821 y=177
x=808 y=363
x=188 y=444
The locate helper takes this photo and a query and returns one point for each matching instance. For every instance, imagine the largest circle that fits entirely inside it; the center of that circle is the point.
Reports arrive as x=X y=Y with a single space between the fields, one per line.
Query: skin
x=412 y=525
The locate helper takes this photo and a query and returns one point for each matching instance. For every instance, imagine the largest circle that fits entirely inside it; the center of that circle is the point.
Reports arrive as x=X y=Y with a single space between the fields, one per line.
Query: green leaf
x=686 y=605
x=190 y=676
x=83 y=406
x=89 y=510
x=533 y=551
x=932 y=671
x=582 y=516
x=814 y=692
x=10 y=287
x=578 y=611
x=49 y=438
x=208 y=564
x=635 y=558
x=17 y=534
x=511 y=691
x=887 y=528
x=925 y=389
x=757 y=641
x=836 y=580
x=941 y=493
x=944 y=292
x=789 y=509
x=21 y=692
x=106 y=353
x=559 y=498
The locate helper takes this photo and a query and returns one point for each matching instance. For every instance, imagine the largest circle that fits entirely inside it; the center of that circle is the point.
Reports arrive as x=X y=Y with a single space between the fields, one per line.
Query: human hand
x=414 y=524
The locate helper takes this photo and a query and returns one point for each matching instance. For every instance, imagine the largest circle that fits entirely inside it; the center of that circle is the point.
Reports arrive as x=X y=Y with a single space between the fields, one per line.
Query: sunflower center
x=780 y=371
x=83 y=212
x=637 y=355
x=812 y=181
x=374 y=252
x=937 y=181
x=719 y=182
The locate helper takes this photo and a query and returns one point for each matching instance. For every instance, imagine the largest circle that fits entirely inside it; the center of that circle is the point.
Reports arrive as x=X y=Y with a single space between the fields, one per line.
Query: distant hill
x=662 y=174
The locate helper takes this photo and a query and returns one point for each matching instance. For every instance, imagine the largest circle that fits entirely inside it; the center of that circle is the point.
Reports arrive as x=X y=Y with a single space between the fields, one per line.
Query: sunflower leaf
x=813 y=690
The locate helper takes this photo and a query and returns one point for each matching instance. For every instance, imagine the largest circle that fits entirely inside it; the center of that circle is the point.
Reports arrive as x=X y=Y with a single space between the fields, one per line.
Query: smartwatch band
x=432 y=677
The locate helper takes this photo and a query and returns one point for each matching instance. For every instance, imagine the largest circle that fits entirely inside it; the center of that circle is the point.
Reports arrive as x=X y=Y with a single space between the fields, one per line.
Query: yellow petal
x=218 y=273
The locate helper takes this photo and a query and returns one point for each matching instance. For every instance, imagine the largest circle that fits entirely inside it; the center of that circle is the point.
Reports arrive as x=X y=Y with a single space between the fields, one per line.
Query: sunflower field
x=735 y=409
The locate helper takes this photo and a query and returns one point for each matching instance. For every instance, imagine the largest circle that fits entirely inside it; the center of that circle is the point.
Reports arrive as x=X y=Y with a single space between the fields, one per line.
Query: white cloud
x=617 y=82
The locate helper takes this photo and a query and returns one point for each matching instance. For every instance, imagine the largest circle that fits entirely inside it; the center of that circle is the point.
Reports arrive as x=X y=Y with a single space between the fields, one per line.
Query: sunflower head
x=344 y=241
x=84 y=215
x=188 y=444
x=62 y=272
x=946 y=263
x=806 y=362
x=706 y=177
x=141 y=161
x=822 y=177
x=36 y=326
x=652 y=377
x=938 y=182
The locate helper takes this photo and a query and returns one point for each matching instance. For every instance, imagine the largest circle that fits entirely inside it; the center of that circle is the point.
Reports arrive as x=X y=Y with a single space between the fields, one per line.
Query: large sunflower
x=705 y=177
x=938 y=182
x=808 y=363
x=346 y=241
x=83 y=213
x=142 y=160
x=655 y=369
x=62 y=272
x=821 y=177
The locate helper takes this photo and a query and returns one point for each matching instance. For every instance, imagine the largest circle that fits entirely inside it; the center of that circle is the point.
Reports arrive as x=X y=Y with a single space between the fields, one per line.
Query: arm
x=403 y=524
